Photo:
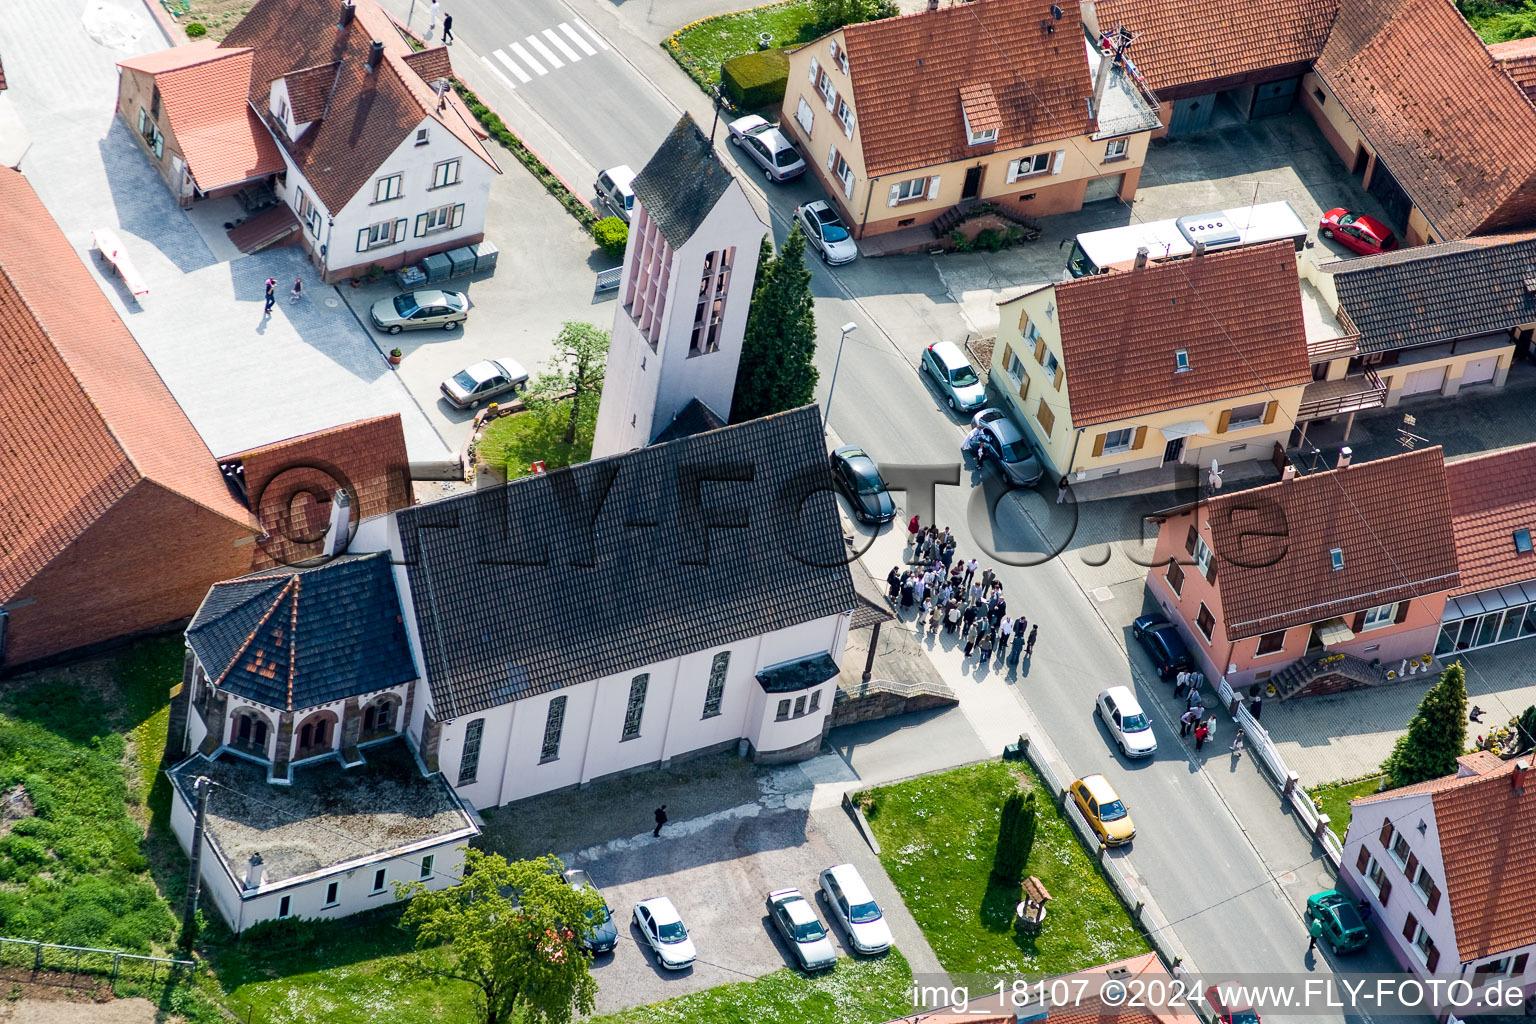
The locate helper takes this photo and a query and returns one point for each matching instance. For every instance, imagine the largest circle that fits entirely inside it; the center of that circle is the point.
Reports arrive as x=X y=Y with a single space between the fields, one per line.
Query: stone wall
x=880 y=700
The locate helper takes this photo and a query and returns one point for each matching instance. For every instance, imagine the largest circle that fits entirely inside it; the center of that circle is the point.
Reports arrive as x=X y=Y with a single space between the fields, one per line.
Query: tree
x=1015 y=838
x=575 y=370
x=513 y=931
x=831 y=14
x=778 y=353
x=1436 y=736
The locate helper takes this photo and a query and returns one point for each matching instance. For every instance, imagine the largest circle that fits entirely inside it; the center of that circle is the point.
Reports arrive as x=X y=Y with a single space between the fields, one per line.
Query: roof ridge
x=293 y=638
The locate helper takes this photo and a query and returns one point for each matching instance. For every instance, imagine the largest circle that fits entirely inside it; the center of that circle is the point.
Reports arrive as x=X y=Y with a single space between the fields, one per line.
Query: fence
x=109 y=963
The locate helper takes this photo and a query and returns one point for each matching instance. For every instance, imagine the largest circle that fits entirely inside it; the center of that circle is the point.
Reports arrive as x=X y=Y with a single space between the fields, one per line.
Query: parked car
x=604 y=934
x=1007 y=448
x=418 y=310
x=662 y=928
x=1121 y=714
x=796 y=920
x=1230 y=1013
x=857 y=476
x=614 y=188
x=957 y=379
x=767 y=146
x=981 y=419
x=850 y=904
x=1163 y=644
x=483 y=381
x=1105 y=811
x=826 y=233
x=1357 y=231
x=1342 y=924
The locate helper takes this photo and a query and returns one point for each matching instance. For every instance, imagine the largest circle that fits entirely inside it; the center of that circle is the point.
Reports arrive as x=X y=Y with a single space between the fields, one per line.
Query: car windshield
x=674 y=932
x=964 y=377
x=864 y=913
x=1112 y=811
x=1349 y=218
x=1134 y=723
x=866 y=479
x=464 y=380
x=809 y=931
x=785 y=157
x=405 y=305
x=1347 y=916
x=1017 y=451
x=598 y=917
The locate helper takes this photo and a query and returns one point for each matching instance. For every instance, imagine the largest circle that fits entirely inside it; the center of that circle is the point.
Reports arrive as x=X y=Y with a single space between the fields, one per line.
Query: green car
x=1342 y=925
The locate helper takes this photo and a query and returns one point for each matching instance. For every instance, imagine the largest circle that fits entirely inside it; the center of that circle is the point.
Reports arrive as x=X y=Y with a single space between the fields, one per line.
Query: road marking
x=586 y=47
x=512 y=66
x=497 y=71
x=593 y=35
x=560 y=44
x=545 y=52
x=522 y=52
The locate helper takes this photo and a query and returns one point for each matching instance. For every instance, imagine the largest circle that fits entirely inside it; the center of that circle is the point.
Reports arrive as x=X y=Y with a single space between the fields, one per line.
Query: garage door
x=1423 y=381
x=1104 y=187
x=1480 y=371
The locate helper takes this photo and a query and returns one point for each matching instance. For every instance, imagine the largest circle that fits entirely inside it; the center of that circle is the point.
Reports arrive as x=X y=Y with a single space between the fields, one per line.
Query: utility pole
x=201 y=785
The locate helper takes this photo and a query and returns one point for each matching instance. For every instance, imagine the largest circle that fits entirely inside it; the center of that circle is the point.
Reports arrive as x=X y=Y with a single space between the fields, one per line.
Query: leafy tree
x=778 y=369
x=513 y=930
x=1015 y=838
x=1436 y=736
x=832 y=14
x=576 y=369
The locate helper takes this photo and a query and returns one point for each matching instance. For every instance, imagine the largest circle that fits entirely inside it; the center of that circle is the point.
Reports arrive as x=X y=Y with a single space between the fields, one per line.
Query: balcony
x=1355 y=393
x=1128 y=105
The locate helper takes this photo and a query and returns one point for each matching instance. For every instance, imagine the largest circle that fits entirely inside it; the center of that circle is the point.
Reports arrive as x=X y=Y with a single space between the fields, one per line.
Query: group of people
x=958 y=596
x=1194 y=719
x=294 y=295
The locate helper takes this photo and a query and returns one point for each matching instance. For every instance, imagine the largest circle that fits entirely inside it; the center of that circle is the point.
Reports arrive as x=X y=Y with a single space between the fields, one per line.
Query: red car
x=1364 y=234
x=1235 y=1013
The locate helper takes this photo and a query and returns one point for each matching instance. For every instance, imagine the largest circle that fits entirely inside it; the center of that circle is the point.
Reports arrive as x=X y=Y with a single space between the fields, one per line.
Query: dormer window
x=1181 y=361
x=979 y=138
x=978 y=108
x=282 y=109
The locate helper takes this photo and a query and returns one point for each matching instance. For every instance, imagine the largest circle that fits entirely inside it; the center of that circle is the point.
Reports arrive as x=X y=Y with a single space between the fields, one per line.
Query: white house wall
x=1405 y=813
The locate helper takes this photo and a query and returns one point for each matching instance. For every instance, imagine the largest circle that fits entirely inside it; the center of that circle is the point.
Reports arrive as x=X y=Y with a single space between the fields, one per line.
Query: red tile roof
x=1449 y=124
x=203 y=91
x=1237 y=314
x=370 y=112
x=84 y=417
x=1492 y=496
x=1488 y=845
x=1185 y=42
x=1479 y=762
x=1273 y=543
x=908 y=73
x=308 y=89
x=1517 y=58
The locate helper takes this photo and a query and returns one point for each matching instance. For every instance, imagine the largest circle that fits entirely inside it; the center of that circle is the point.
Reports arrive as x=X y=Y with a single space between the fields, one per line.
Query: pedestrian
x=986 y=579
x=436 y=9
x=972 y=634
x=1004 y=631
x=1061 y=492
x=1314 y=932
x=1018 y=642
x=972 y=441
x=893 y=582
x=906 y=591
x=970 y=571
x=1202 y=733
x=935 y=616
x=951 y=615
x=271 y=296
x=298 y=290
x=969 y=616
x=1029 y=648
x=1237 y=742
x=1186 y=720
x=447 y=28
x=987 y=641
x=661 y=819
x=912 y=527
x=919 y=588
x=1001 y=607
x=946 y=538
x=948 y=554
x=1256 y=706
x=1180 y=684
x=1194 y=700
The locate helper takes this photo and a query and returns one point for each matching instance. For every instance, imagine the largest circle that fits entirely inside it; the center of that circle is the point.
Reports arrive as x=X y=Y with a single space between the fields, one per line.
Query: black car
x=1163 y=645
x=857 y=476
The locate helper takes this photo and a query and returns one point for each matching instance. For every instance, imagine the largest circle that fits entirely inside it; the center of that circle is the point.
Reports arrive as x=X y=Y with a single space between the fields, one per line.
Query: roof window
x=1180 y=361
x=1522 y=540
x=1336 y=556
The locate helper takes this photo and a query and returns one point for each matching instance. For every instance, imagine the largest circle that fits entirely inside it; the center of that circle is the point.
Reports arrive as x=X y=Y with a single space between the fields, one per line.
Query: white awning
x=1334 y=631
x=1186 y=429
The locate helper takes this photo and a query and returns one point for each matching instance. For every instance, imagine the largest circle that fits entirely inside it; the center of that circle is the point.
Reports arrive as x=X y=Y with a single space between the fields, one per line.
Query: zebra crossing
x=548 y=50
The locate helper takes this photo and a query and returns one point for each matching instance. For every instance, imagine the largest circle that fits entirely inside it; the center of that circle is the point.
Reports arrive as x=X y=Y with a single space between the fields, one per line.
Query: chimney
x=1090 y=17
x=1101 y=79
x=375 y=54
x=348 y=12
x=253 y=872
x=1344 y=454
x=339 y=532
x=1199 y=247
x=933 y=5
x=1517 y=777
x=1288 y=473
x=1141 y=257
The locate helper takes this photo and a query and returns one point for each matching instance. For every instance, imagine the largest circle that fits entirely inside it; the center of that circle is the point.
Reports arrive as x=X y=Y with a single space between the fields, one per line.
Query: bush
x=195 y=29
x=612 y=234
x=755 y=79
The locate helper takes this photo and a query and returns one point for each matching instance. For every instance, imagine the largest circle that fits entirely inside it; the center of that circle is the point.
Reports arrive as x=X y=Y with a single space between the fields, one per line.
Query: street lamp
x=848 y=328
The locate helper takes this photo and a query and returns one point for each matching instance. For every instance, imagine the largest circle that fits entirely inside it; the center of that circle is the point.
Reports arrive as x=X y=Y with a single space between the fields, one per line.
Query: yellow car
x=1104 y=810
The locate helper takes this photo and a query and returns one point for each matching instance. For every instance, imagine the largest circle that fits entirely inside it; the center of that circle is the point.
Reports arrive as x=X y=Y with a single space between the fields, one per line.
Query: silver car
x=483 y=382
x=1007 y=447
x=850 y=904
x=796 y=920
x=767 y=147
x=826 y=233
x=415 y=311
x=662 y=928
x=957 y=379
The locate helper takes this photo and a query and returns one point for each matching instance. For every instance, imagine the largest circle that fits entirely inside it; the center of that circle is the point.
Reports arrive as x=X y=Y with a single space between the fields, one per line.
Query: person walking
x=436 y=9
x=298 y=290
x=1256 y=705
x=935 y=616
x=661 y=819
x=1237 y=742
x=987 y=642
x=1194 y=701
x=947 y=556
x=1018 y=640
x=447 y=28
x=951 y=615
x=912 y=527
x=1061 y=491
x=1314 y=932
x=1004 y=632
x=271 y=296
x=1202 y=733
x=972 y=634
x=1029 y=648
x=1186 y=721
x=987 y=577
x=970 y=571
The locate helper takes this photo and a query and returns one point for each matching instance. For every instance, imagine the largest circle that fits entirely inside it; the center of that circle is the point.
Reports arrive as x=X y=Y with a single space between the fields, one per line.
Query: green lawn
x=937 y=836
x=861 y=991
x=520 y=440
x=704 y=45
x=1333 y=800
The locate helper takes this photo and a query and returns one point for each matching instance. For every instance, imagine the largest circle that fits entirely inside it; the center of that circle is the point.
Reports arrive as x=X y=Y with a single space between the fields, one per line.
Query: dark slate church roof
x=625 y=561
x=297 y=638
x=693 y=418
x=682 y=182
x=1437 y=293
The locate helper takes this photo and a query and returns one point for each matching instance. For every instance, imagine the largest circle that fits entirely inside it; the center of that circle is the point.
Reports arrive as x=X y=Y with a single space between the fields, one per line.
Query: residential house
x=906 y=119
x=1314 y=584
x=378 y=162
x=686 y=284
x=1432 y=319
x=1179 y=363
x=1446 y=867
x=1493 y=516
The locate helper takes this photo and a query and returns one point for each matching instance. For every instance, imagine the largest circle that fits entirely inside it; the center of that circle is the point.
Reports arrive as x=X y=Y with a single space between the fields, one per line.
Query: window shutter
x=1061 y=158
x=1402 y=613
x=1226 y=418
x=1519 y=966
x=1359 y=627
x=1210 y=569
x=1189 y=542
x=1040 y=351
x=1013 y=171
x=933 y=187
x=1024 y=387
x=848 y=185
x=1385 y=835
x=848 y=125
x=831 y=97
x=1270 y=410
x=1434 y=905
x=1410 y=927
x=1007 y=354
x=159 y=144
x=895 y=196
x=1410 y=867
x=815 y=70
x=1141 y=439
x=1060 y=371
x=1098 y=445
x=421 y=224
x=1363 y=861
x=1433 y=959
x=399 y=233
x=362 y=240
x=832 y=158
x=1386 y=892
x=832 y=48
x=458 y=214
x=143 y=116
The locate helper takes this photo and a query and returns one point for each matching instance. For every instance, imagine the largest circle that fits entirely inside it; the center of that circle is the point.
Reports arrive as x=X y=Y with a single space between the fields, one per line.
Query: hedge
x=756 y=80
